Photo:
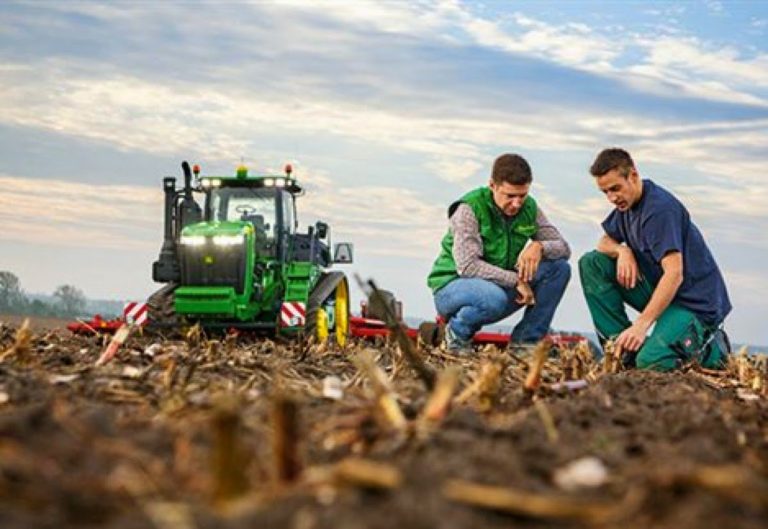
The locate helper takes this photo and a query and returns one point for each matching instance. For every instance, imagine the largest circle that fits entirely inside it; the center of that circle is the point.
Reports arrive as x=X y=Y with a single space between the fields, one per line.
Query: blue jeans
x=469 y=303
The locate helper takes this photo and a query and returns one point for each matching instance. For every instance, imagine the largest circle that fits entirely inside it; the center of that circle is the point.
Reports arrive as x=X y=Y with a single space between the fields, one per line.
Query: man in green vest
x=500 y=254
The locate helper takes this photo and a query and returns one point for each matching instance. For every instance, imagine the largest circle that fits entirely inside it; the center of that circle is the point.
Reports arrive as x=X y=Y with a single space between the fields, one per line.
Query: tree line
x=67 y=301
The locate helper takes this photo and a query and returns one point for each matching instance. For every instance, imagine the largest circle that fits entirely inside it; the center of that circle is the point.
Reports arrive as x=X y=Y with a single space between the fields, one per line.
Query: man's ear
x=633 y=175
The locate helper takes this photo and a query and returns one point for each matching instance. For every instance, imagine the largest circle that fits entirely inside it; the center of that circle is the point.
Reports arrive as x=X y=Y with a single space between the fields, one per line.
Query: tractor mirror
x=342 y=252
x=321 y=228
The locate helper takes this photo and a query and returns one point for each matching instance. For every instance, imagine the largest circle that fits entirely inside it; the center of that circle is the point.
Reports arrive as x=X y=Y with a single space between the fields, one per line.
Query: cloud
x=380 y=220
x=53 y=212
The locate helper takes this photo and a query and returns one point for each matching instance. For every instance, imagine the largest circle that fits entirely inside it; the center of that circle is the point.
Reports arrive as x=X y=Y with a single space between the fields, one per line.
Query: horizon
x=388 y=112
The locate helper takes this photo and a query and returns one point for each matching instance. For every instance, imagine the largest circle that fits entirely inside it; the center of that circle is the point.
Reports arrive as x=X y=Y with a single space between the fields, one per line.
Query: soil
x=195 y=433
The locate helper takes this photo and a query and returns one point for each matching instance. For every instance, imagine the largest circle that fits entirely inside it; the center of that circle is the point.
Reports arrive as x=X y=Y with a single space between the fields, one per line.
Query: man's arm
x=633 y=337
x=546 y=243
x=468 y=250
x=553 y=245
x=627 y=271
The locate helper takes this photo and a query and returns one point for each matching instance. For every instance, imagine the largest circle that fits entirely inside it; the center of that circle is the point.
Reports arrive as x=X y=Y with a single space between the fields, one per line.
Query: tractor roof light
x=216 y=182
x=279 y=182
x=196 y=170
x=288 y=169
x=206 y=182
x=269 y=182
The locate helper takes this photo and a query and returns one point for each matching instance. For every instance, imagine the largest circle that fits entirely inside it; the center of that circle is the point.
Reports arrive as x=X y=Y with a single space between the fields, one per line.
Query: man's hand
x=627 y=272
x=528 y=261
x=524 y=294
x=632 y=338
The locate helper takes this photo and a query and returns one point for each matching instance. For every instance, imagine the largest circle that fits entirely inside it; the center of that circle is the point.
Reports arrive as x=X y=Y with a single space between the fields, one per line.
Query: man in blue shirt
x=653 y=258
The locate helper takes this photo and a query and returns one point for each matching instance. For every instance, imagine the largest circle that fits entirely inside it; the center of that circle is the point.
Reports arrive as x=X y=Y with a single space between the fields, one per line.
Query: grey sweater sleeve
x=468 y=250
x=552 y=242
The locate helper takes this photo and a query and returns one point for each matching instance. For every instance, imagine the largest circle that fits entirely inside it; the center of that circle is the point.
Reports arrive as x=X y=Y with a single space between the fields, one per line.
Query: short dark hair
x=512 y=169
x=610 y=159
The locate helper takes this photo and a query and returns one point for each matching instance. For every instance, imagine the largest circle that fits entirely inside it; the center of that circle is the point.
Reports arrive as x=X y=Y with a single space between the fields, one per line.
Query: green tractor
x=239 y=262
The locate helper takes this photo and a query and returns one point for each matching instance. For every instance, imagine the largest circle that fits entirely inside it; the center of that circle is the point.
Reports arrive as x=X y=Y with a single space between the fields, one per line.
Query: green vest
x=503 y=237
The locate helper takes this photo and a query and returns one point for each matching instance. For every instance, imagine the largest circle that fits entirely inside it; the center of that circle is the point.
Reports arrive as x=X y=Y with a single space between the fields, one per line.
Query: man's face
x=509 y=197
x=621 y=191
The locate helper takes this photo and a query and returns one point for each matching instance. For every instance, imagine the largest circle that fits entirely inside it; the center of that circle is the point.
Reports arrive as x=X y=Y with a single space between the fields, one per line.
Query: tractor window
x=242 y=203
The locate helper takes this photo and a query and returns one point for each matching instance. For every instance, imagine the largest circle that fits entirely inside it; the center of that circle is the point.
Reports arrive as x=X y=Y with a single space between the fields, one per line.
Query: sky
x=388 y=111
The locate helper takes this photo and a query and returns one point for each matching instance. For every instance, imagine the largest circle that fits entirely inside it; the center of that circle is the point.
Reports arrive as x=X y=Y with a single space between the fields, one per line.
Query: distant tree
x=40 y=308
x=12 y=298
x=70 y=300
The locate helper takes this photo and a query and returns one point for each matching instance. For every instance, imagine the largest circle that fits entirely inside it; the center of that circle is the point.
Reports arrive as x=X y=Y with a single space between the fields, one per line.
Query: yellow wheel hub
x=321 y=330
x=341 y=313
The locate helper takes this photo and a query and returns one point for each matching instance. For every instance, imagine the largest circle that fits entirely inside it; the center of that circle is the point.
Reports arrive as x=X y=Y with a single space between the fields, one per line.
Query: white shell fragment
x=333 y=388
x=63 y=379
x=586 y=472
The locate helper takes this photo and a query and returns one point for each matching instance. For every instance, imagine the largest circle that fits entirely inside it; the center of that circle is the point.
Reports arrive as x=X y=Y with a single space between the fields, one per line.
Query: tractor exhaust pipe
x=187 y=180
x=189 y=210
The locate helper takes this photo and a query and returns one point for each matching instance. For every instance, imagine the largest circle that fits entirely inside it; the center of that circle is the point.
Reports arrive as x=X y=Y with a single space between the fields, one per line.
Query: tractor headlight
x=279 y=182
x=228 y=240
x=192 y=240
x=206 y=182
x=216 y=182
x=269 y=182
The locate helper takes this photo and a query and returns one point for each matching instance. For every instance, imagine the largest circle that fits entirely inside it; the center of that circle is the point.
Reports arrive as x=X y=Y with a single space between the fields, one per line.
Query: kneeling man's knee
x=656 y=358
x=592 y=260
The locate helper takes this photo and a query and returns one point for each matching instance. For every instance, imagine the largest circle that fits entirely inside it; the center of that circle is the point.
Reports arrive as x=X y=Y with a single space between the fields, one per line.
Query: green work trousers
x=678 y=336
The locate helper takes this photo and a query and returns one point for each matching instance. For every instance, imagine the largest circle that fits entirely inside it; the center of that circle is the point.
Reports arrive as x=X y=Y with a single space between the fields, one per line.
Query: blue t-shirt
x=659 y=224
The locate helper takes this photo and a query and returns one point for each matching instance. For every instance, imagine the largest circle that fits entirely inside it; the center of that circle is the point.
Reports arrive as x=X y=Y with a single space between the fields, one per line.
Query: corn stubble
x=272 y=434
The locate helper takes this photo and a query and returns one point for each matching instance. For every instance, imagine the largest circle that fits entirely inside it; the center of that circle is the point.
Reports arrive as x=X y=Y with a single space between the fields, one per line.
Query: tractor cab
x=267 y=203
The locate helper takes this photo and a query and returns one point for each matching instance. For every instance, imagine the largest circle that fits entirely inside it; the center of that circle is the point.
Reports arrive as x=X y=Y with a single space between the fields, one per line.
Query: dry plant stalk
x=423 y=371
x=194 y=335
x=385 y=397
x=169 y=374
x=114 y=344
x=229 y=459
x=567 y=357
x=539 y=354
x=760 y=383
x=486 y=386
x=531 y=504
x=582 y=358
x=612 y=357
x=743 y=367
x=21 y=346
x=734 y=482
x=439 y=402
x=285 y=439
x=365 y=473
x=547 y=420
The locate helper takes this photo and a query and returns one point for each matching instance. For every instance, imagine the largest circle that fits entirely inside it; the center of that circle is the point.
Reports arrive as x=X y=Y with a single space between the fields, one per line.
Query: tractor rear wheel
x=330 y=319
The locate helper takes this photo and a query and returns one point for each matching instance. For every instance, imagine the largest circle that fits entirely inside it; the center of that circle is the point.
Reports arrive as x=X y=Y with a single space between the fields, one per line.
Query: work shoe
x=456 y=345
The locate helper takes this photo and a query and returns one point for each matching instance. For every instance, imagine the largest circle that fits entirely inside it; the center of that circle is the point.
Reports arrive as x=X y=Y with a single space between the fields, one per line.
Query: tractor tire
x=316 y=326
x=323 y=327
x=160 y=308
